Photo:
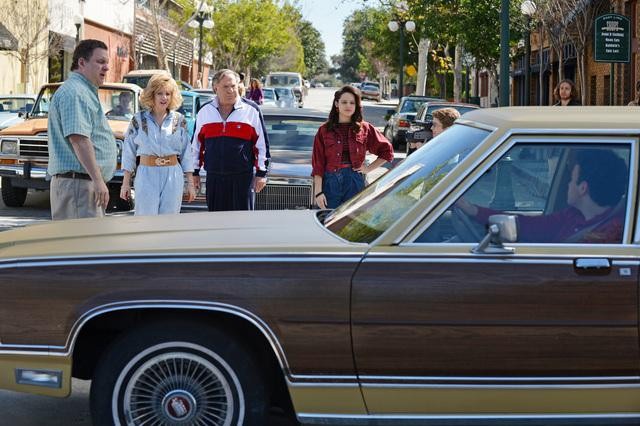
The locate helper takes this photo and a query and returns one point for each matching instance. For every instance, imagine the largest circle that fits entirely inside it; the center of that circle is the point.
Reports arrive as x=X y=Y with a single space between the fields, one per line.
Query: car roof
x=294 y=112
x=20 y=96
x=548 y=117
x=450 y=104
x=116 y=86
x=145 y=72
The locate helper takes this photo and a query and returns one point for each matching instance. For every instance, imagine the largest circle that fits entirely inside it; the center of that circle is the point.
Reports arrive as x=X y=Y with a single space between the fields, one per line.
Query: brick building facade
x=598 y=74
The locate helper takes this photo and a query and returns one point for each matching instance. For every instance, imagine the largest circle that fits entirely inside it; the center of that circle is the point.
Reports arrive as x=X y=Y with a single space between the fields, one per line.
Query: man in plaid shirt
x=82 y=148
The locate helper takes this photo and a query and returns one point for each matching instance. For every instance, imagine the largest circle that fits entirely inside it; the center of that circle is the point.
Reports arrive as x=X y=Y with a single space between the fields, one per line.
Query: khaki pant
x=73 y=199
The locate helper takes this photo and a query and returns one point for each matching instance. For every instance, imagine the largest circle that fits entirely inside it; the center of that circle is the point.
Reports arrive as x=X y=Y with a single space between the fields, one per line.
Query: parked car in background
x=203 y=91
x=420 y=130
x=191 y=104
x=24 y=153
x=14 y=108
x=269 y=97
x=355 y=84
x=142 y=77
x=370 y=90
x=395 y=308
x=285 y=97
x=291 y=133
x=288 y=79
x=400 y=119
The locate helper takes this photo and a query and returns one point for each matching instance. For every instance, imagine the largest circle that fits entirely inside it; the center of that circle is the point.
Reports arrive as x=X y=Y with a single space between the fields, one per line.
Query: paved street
x=31 y=410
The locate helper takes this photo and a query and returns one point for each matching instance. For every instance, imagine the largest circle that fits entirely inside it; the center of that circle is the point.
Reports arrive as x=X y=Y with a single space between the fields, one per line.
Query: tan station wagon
x=491 y=278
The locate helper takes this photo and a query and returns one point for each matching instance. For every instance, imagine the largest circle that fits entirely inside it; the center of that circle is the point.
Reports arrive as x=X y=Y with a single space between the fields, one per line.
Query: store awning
x=7 y=40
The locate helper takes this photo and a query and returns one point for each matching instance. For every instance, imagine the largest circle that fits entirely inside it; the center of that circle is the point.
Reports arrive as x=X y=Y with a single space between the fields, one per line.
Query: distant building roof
x=7 y=40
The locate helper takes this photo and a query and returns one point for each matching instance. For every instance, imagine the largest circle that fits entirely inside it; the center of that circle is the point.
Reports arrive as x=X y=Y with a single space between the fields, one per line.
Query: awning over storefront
x=7 y=40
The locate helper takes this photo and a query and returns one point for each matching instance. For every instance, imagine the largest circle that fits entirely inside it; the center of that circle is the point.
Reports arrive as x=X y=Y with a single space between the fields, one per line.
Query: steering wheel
x=468 y=230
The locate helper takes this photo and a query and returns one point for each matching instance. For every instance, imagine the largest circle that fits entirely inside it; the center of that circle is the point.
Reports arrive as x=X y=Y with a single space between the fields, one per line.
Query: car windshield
x=283 y=93
x=461 y=109
x=411 y=105
x=292 y=133
x=16 y=105
x=283 y=80
x=118 y=104
x=366 y=216
x=141 y=80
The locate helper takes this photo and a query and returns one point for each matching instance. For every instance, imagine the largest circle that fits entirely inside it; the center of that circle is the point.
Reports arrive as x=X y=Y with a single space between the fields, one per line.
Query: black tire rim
x=178 y=383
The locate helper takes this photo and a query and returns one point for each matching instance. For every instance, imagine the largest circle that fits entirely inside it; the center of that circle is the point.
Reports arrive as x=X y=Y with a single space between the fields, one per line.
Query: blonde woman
x=158 y=135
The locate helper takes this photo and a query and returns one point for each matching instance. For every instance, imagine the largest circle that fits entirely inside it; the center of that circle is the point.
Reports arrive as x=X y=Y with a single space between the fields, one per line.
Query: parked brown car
x=399 y=307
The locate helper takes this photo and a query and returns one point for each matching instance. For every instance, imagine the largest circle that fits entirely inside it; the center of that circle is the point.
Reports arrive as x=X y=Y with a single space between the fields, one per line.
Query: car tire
x=12 y=196
x=178 y=372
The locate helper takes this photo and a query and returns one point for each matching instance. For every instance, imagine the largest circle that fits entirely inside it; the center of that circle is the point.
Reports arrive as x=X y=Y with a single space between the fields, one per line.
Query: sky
x=327 y=16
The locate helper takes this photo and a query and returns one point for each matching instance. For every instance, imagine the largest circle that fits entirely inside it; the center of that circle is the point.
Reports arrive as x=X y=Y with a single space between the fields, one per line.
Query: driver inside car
x=594 y=212
x=124 y=106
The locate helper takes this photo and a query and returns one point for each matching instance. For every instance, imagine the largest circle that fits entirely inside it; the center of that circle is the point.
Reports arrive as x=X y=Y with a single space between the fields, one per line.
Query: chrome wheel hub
x=179 y=406
x=178 y=388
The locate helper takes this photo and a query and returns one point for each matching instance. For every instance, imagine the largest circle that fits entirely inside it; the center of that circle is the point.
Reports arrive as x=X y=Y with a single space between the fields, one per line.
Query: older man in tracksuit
x=231 y=143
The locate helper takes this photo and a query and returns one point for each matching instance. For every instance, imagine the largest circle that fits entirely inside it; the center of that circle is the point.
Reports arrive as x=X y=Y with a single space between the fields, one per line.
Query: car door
x=537 y=327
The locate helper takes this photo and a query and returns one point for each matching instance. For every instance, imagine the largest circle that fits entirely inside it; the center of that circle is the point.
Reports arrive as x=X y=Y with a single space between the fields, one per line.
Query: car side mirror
x=502 y=228
x=22 y=114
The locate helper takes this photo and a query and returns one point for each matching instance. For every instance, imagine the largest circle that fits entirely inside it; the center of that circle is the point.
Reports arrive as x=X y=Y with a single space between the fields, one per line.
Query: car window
x=292 y=133
x=558 y=193
x=187 y=107
x=118 y=104
x=269 y=95
x=411 y=105
x=16 y=105
x=41 y=108
x=378 y=206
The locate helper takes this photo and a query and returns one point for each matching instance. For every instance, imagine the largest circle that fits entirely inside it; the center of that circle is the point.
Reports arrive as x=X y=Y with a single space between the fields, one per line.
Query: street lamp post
x=201 y=19
x=504 y=53
x=395 y=26
x=77 y=21
x=528 y=9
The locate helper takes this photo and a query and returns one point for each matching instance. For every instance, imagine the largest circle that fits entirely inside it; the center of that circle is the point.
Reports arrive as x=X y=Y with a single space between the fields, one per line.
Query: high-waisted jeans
x=341 y=185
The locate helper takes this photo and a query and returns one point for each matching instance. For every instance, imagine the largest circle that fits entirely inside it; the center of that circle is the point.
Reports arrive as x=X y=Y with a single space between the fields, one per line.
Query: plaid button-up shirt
x=76 y=110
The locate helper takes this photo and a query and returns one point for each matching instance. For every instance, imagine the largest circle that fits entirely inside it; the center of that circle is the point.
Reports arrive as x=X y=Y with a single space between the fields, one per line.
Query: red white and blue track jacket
x=237 y=145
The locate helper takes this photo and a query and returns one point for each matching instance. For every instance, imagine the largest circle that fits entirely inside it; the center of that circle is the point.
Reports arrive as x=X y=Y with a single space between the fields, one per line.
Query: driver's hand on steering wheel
x=467 y=207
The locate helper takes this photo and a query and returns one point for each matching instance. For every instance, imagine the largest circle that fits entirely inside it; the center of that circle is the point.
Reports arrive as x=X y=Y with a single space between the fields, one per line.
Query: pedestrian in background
x=242 y=90
x=339 y=149
x=566 y=94
x=231 y=144
x=158 y=135
x=255 y=91
x=636 y=100
x=82 y=147
x=442 y=119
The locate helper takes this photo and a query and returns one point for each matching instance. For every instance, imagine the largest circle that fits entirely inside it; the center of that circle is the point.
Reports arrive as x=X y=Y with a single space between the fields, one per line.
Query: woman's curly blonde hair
x=156 y=83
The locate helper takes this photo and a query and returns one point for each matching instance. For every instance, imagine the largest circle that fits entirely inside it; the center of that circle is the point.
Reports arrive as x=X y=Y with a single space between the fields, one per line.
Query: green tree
x=315 y=60
x=249 y=32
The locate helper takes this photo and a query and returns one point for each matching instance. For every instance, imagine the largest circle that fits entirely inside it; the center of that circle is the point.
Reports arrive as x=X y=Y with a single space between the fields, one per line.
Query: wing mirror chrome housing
x=502 y=228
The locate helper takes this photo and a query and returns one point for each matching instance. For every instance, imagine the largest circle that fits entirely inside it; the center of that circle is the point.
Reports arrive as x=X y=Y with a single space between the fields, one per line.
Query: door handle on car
x=592 y=265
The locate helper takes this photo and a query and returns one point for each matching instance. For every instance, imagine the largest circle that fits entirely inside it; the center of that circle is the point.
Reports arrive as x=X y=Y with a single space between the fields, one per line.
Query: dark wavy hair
x=356 y=118
x=574 y=89
x=84 y=50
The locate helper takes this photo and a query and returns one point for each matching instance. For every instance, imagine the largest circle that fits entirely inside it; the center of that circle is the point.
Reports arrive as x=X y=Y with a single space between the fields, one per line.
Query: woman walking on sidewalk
x=339 y=151
x=158 y=135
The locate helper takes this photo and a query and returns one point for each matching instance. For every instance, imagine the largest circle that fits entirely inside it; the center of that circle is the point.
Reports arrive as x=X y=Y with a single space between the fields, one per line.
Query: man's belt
x=153 y=161
x=74 y=175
